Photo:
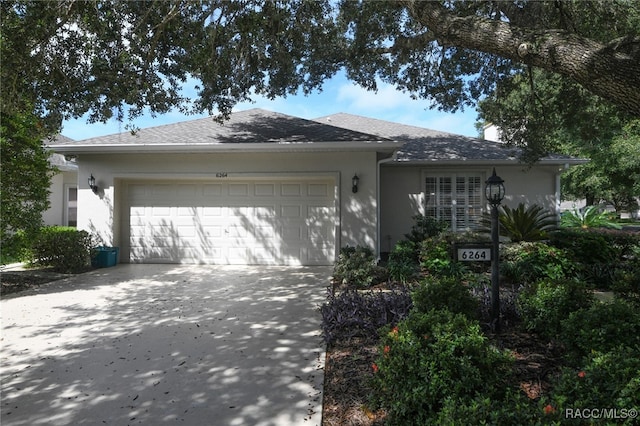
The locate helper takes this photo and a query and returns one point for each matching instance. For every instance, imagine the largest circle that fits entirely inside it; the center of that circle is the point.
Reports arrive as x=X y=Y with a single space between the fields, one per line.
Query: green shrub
x=432 y=357
x=546 y=304
x=606 y=380
x=436 y=256
x=17 y=248
x=403 y=265
x=585 y=246
x=425 y=227
x=356 y=266
x=445 y=293
x=65 y=249
x=626 y=282
x=513 y=408
x=600 y=256
x=525 y=262
x=601 y=327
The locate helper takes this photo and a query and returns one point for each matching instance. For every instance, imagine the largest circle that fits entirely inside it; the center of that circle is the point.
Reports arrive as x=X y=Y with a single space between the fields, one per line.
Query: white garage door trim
x=268 y=220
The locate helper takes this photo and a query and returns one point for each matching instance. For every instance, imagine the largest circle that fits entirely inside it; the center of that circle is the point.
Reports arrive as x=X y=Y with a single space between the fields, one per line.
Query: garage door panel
x=238 y=189
x=292 y=234
x=290 y=189
x=290 y=211
x=318 y=190
x=264 y=189
x=261 y=222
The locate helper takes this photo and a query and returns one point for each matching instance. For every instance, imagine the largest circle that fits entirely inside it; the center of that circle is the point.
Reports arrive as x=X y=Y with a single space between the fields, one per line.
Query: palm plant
x=590 y=217
x=524 y=224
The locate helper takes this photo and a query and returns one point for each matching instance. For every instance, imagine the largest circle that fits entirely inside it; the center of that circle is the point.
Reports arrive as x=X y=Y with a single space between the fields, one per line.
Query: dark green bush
x=512 y=408
x=432 y=357
x=425 y=227
x=599 y=255
x=436 y=256
x=596 y=246
x=17 y=248
x=403 y=265
x=626 y=283
x=357 y=267
x=65 y=249
x=606 y=380
x=601 y=327
x=528 y=262
x=546 y=304
x=445 y=293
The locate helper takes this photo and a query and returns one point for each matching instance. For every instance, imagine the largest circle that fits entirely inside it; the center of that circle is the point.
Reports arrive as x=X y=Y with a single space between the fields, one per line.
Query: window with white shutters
x=455 y=199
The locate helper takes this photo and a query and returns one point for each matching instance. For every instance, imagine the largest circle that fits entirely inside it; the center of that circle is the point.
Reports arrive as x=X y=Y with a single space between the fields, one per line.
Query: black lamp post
x=494 y=191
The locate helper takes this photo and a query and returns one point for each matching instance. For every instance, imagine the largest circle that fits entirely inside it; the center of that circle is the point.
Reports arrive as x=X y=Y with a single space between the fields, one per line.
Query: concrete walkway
x=166 y=344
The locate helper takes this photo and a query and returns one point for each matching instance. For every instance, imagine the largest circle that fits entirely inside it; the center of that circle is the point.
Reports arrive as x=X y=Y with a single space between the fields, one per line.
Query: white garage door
x=232 y=222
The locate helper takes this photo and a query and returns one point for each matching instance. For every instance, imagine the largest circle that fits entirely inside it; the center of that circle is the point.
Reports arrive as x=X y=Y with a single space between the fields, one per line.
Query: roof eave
x=78 y=148
x=484 y=162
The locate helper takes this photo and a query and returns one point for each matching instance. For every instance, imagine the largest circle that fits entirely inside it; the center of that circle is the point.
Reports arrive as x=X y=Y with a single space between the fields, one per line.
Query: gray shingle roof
x=250 y=126
x=425 y=144
x=422 y=144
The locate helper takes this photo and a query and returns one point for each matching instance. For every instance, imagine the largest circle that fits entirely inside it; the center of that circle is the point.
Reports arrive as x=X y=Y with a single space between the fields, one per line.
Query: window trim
x=67 y=188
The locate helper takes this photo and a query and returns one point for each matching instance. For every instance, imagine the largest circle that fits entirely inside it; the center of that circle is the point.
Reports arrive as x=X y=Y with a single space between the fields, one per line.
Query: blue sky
x=338 y=95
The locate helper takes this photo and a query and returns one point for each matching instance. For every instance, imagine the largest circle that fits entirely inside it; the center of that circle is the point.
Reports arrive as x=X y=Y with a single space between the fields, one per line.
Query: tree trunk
x=611 y=70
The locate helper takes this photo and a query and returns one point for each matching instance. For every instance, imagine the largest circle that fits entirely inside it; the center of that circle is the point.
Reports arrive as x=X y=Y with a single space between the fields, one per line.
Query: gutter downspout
x=378 y=210
x=558 y=192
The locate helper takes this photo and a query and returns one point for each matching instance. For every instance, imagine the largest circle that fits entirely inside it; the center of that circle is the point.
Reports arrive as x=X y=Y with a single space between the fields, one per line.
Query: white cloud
x=385 y=98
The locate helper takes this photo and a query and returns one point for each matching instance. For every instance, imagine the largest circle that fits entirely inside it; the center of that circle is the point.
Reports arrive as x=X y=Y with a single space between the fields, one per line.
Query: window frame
x=447 y=204
x=67 y=201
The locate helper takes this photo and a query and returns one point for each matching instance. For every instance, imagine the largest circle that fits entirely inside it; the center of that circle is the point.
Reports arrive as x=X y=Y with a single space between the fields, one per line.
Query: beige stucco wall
x=402 y=192
x=55 y=215
x=102 y=214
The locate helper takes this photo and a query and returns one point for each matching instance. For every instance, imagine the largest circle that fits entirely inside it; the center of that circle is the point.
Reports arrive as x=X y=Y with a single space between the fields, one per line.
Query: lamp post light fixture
x=494 y=192
x=354 y=183
x=92 y=184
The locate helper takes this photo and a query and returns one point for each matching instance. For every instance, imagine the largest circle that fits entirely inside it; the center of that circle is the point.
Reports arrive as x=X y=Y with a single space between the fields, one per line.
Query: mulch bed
x=17 y=281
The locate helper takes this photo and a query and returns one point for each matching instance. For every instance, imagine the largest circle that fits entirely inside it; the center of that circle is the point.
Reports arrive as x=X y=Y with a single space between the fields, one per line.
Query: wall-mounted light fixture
x=92 y=184
x=354 y=183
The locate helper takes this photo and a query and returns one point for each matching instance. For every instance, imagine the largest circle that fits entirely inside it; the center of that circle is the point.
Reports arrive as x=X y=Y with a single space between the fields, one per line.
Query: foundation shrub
x=403 y=264
x=432 y=357
x=64 y=249
x=425 y=227
x=445 y=293
x=357 y=267
x=546 y=304
x=436 y=255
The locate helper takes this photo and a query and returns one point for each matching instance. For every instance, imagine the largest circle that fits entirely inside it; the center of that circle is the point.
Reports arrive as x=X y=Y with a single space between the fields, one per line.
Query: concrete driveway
x=166 y=344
